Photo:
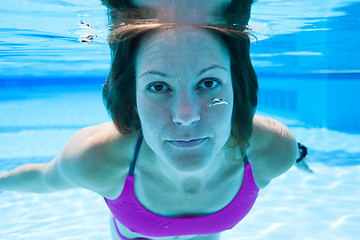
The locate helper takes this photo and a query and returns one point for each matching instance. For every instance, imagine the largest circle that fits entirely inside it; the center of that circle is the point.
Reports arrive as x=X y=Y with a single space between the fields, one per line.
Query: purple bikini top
x=134 y=216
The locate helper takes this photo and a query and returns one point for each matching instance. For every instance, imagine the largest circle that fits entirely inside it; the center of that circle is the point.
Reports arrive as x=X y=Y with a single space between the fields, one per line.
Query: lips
x=187 y=143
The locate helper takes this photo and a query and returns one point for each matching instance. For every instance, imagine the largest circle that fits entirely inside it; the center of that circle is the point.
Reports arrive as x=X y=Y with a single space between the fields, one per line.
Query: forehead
x=180 y=48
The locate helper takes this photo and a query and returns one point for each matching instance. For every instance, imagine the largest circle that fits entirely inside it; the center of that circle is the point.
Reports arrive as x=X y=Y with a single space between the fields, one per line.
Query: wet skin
x=178 y=71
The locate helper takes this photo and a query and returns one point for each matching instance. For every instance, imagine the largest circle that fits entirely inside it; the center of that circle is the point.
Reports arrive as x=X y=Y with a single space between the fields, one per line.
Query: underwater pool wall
x=318 y=100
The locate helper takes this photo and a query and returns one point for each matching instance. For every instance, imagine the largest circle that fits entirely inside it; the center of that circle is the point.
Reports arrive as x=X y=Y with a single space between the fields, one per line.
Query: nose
x=186 y=111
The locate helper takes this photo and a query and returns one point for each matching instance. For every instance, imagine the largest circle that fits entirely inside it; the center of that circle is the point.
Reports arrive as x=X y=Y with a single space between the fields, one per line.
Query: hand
x=302 y=165
x=300 y=162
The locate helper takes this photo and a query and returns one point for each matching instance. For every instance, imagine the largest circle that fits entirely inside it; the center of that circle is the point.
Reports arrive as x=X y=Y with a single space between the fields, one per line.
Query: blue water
x=307 y=60
x=312 y=43
x=40 y=38
x=36 y=123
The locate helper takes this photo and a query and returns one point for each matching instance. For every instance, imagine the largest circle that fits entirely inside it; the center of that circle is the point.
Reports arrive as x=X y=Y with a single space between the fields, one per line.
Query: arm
x=40 y=178
x=64 y=172
x=273 y=149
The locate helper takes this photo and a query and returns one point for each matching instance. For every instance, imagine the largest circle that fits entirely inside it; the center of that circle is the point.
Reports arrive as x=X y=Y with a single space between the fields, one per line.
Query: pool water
x=50 y=87
x=297 y=205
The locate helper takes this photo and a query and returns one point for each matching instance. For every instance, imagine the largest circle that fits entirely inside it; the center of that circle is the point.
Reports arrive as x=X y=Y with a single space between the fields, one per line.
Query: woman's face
x=178 y=72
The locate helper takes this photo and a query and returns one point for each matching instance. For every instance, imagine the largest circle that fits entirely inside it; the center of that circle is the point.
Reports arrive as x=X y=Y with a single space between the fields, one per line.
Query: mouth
x=187 y=143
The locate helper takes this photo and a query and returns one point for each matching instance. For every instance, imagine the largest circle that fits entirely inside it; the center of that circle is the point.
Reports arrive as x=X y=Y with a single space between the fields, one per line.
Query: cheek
x=220 y=114
x=152 y=114
x=219 y=117
x=221 y=108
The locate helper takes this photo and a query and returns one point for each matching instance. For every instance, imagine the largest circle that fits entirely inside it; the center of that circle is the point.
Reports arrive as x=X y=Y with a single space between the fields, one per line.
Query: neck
x=192 y=182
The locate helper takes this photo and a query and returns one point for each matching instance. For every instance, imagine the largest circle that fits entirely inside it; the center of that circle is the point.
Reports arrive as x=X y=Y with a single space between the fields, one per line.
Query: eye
x=209 y=83
x=158 y=87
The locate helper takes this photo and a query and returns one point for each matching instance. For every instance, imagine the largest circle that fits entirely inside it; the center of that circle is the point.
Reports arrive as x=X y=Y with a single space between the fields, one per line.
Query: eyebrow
x=210 y=68
x=164 y=75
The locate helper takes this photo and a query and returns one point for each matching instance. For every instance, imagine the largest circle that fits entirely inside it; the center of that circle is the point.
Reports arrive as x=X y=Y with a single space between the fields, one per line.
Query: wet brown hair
x=119 y=92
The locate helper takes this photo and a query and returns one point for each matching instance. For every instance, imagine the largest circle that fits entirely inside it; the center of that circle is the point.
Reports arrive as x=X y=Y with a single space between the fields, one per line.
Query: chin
x=189 y=164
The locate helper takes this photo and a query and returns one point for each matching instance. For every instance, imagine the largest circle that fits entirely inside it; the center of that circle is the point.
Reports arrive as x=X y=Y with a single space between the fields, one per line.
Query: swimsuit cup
x=134 y=216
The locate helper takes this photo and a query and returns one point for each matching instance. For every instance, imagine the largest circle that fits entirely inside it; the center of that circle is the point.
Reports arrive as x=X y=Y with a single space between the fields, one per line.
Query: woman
x=185 y=156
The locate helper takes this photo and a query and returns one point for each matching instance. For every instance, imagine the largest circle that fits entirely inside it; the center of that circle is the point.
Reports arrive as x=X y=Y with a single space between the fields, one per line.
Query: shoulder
x=273 y=149
x=96 y=156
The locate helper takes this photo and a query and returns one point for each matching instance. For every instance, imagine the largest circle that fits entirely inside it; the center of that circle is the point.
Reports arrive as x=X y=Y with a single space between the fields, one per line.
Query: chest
x=164 y=197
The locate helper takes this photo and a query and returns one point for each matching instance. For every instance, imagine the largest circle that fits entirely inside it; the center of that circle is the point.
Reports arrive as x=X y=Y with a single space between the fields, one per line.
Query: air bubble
x=84 y=25
x=216 y=101
x=88 y=38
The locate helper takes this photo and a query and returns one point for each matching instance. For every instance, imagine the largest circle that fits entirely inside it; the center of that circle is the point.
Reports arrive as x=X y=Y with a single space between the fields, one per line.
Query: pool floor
x=36 y=123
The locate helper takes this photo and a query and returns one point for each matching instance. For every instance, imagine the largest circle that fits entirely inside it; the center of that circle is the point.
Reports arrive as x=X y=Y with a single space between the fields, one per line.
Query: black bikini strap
x=246 y=160
x=137 y=149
